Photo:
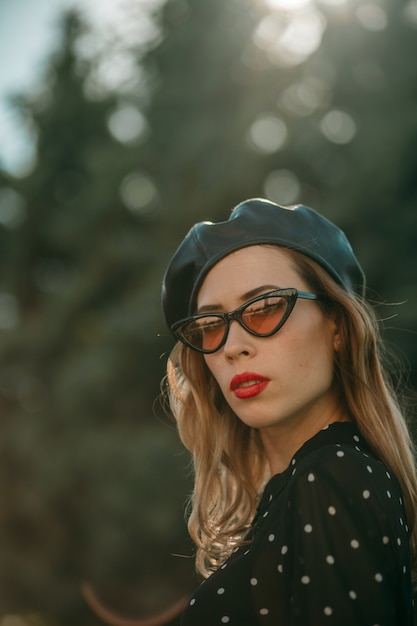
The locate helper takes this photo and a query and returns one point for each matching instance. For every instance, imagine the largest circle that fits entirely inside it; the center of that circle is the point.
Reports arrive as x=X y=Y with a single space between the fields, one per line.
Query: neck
x=282 y=441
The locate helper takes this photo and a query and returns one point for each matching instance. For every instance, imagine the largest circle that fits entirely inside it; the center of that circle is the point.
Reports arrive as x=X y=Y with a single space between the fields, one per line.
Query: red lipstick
x=248 y=385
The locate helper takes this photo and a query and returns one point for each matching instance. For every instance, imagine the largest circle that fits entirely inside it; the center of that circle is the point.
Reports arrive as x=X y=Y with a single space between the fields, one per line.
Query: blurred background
x=122 y=123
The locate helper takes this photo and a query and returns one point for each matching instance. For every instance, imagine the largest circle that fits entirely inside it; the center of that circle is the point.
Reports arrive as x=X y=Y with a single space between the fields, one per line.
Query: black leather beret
x=253 y=222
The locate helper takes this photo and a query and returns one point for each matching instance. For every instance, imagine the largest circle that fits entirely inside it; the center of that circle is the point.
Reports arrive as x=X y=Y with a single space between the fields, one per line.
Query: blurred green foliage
x=234 y=100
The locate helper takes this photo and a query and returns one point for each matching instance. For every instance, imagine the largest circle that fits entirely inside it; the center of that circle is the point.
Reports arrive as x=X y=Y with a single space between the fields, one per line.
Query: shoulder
x=348 y=478
x=337 y=459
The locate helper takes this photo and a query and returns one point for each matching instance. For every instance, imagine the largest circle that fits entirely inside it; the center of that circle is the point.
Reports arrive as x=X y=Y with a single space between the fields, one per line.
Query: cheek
x=317 y=361
x=311 y=350
x=211 y=365
x=215 y=370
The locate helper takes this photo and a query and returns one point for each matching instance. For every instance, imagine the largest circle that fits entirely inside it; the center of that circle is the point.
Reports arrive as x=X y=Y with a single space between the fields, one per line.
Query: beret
x=255 y=222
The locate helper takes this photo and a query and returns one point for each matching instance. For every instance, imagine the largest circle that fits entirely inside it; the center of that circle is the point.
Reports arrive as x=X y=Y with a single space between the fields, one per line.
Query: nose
x=238 y=342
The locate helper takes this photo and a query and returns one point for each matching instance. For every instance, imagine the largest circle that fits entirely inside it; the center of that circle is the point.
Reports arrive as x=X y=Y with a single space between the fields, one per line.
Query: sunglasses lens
x=205 y=333
x=264 y=316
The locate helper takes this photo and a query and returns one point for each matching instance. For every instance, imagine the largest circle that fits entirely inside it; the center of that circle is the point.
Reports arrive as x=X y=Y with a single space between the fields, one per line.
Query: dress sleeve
x=340 y=555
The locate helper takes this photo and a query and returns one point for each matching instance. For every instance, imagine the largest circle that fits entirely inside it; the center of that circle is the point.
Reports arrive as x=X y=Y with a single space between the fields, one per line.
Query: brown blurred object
x=114 y=619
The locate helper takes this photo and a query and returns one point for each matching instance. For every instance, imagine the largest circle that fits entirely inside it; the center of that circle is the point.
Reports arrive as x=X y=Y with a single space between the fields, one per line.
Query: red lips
x=248 y=384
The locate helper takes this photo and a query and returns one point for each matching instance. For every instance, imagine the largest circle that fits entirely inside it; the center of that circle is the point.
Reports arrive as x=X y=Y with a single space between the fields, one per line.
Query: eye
x=204 y=326
x=209 y=325
x=264 y=315
x=265 y=307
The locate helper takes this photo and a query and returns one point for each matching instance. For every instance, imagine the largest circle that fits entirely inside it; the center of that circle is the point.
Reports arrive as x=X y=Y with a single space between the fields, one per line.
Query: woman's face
x=280 y=383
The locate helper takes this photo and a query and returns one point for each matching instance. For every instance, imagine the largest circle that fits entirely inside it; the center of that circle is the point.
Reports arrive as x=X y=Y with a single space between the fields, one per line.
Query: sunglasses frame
x=290 y=294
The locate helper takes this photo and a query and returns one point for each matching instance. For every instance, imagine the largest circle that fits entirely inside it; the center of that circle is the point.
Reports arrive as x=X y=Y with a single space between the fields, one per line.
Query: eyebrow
x=209 y=308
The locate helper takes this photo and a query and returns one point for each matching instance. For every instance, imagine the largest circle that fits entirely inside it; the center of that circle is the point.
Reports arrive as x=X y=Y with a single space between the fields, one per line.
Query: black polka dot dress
x=329 y=546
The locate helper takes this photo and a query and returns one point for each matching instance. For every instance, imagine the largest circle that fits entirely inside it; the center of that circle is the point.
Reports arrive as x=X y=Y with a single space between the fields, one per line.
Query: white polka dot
x=192 y=602
x=369 y=468
x=220 y=591
x=328 y=610
x=271 y=537
x=263 y=611
x=389 y=494
x=225 y=619
x=353 y=595
x=356 y=438
x=330 y=559
x=246 y=553
x=354 y=543
x=332 y=510
x=253 y=581
x=366 y=494
x=270 y=497
x=280 y=568
x=340 y=453
x=293 y=472
x=293 y=462
x=378 y=577
x=224 y=566
x=398 y=541
x=388 y=474
x=308 y=528
x=311 y=478
x=284 y=549
x=305 y=580
x=385 y=539
x=265 y=514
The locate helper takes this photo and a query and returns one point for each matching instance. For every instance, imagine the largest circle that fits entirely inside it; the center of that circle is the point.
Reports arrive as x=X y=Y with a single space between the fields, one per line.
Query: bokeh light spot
x=139 y=193
x=287 y=5
x=289 y=39
x=282 y=186
x=338 y=127
x=410 y=13
x=12 y=208
x=305 y=96
x=372 y=17
x=9 y=312
x=268 y=134
x=335 y=4
x=127 y=124
x=54 y=276
x=268 y=31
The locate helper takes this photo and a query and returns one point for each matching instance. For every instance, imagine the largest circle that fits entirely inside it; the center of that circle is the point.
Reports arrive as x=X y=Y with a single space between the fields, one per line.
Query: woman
x=303 y=509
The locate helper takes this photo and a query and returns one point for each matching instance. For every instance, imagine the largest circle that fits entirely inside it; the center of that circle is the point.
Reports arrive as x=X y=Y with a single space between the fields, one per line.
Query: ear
x=337 y=340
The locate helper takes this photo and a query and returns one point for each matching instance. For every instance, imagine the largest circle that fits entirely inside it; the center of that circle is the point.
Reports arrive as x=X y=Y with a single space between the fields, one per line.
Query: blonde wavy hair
x=230 y=467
